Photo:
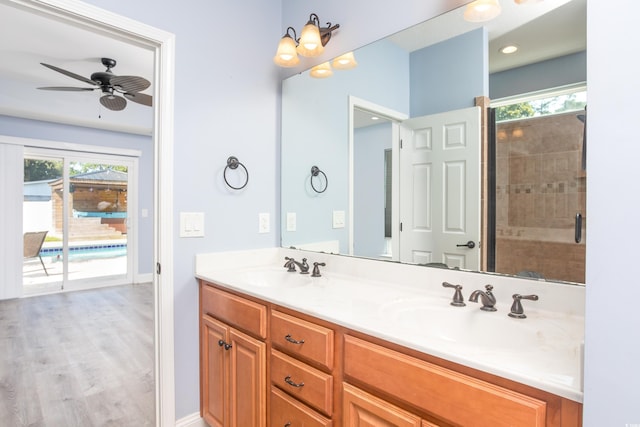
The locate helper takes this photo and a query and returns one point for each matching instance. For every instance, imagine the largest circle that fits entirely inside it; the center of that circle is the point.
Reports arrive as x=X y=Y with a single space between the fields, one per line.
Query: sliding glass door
x=76 y=220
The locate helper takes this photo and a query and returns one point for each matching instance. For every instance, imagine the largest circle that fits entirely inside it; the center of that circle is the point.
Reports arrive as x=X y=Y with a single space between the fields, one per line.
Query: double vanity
x=379 y=343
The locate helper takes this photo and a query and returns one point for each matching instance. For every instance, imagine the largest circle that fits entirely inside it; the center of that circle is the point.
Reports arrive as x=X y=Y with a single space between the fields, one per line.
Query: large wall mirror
x=415 y=166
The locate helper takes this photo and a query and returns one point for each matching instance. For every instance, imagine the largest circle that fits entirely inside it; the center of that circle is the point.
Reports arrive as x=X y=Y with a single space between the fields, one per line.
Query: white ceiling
x=27 y=39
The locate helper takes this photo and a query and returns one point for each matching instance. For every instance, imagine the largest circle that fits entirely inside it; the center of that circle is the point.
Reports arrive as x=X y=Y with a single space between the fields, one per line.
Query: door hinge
x=158 y=268
x=400 y=226
x=401 y=144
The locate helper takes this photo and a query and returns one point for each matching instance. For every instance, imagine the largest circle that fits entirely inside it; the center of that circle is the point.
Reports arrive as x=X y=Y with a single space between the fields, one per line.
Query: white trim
x=395 y=117
x=193 y=420
x=541 y=94
x=163 y=42
x=68 y=146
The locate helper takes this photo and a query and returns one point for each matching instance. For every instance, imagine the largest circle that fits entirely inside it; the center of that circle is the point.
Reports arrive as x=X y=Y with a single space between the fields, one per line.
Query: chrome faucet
x=291 y=265
x=488 y=299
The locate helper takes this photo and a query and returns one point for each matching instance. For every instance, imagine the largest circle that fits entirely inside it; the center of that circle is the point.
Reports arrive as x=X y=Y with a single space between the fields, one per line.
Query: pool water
x=88 y=251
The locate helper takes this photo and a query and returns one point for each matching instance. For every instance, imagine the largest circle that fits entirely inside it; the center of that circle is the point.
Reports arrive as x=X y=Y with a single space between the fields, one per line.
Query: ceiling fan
x=110 y=85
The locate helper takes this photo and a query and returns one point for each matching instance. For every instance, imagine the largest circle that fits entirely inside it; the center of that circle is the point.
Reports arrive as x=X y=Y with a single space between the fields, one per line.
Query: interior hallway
x=81 y=358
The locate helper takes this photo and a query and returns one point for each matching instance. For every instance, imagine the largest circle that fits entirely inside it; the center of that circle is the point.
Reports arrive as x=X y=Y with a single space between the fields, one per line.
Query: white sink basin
x=271 y=277
x=470 y=326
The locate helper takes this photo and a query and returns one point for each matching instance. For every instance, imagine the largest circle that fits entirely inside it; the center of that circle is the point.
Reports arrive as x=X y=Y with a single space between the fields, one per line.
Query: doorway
x=79 y=205
x=162 y=44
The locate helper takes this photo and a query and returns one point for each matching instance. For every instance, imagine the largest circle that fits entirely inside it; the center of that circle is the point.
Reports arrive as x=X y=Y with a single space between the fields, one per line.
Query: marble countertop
x=409 y=306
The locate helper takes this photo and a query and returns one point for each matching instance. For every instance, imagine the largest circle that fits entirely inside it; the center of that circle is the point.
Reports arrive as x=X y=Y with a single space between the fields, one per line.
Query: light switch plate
x=191 y=224
x=291 y=221
x=263 y=222
x=338 y=219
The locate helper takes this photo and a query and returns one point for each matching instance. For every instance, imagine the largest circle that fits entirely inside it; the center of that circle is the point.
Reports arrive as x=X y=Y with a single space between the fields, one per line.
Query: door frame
x=395 y=117
x=163 y=44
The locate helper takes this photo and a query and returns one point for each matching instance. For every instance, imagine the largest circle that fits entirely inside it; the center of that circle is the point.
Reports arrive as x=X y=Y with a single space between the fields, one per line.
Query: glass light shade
x=321 y=71
x=482 y=10
x=345 y=62
x=310 y=43
x=287 y=55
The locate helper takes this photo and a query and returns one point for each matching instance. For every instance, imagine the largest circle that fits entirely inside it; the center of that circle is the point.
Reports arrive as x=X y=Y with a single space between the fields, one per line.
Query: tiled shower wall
x=540 y=187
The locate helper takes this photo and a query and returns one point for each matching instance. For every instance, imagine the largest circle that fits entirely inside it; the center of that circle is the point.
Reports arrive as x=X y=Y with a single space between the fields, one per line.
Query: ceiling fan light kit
x=110 y=85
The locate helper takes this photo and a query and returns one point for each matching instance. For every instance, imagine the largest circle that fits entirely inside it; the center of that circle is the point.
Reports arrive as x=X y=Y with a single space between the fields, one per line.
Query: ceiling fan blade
x=69 y=89
x=70 y=74
x=130 y=83
x=140 y=98
x=112 y=102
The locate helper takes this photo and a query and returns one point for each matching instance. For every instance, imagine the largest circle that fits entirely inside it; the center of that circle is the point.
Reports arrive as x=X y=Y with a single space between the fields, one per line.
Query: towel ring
x=315 y=171
x=233 y=163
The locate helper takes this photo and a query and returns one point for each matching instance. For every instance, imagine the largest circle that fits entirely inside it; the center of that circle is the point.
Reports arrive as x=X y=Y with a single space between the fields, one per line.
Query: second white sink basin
x=471 y=326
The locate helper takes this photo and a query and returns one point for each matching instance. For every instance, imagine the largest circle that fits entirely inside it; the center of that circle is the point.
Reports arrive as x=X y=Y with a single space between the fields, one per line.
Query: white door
x=440 y=189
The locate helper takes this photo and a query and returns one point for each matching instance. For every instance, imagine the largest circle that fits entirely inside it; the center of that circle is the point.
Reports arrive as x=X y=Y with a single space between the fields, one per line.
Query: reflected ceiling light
x=482 y=10
x=345 y=62
x=527 y=1
x=287 y=54
x=312 y=41
x=509 y=49
x=321 y=71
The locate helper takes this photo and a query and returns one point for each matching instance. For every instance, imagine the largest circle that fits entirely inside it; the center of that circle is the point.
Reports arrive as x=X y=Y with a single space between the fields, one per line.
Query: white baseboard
x=143 y=278
x=193 y=420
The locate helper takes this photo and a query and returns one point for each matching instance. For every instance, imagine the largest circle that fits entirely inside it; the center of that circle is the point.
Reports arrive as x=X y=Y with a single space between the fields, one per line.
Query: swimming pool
x=93 y=251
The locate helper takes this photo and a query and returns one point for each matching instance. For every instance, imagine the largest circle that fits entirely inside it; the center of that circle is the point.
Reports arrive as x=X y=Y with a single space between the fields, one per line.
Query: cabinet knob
x=227 y=346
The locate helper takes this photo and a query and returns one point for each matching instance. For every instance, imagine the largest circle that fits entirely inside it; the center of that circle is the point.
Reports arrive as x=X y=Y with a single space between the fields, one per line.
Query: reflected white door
x=440 y=189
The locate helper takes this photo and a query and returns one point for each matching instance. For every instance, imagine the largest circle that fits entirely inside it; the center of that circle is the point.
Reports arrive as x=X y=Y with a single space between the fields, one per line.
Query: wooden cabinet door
x=214 y=372
x=362 y=409
x=247 y=380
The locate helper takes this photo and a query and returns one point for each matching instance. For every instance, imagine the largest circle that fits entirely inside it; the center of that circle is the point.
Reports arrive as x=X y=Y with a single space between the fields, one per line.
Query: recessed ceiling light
x=507 y=50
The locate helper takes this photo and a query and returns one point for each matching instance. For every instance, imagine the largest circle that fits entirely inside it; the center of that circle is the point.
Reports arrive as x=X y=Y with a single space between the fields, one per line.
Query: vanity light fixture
x=321 y=71
x=311 y=43
x=482 y=10
x=345 y=62
x=287 y=54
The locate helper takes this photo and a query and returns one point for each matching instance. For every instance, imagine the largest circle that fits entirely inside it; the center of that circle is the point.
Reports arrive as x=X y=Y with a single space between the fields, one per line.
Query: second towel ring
x=233 y=163
x=315 y=171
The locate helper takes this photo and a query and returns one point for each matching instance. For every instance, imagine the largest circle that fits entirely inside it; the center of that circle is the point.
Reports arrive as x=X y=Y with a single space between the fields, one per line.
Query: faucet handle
x=458 y=299
x=489 y=288
x=516 y=308
x=316 y=269
x=290 y=264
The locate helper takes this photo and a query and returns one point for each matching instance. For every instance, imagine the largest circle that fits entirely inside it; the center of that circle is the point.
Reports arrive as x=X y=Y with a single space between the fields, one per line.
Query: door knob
x=470 y=244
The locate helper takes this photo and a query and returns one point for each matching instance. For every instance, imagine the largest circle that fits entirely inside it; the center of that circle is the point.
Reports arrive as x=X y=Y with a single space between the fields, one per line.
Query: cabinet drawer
x=361 y=408
x=302 y=339
x=285 y=410
x=246 y=315
x=447 y=394
x=305 y=383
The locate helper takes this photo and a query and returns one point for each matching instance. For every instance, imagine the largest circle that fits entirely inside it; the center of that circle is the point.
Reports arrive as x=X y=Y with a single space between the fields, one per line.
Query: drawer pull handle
x=292 y=340
x=226 y=345
x=288 y=424
x=288 y=380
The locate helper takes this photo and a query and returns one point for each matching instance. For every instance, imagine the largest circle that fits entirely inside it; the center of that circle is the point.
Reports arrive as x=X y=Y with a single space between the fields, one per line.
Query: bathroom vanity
x=380 y=344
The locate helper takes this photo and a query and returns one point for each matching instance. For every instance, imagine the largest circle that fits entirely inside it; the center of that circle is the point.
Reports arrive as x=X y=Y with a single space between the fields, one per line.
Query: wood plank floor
x=78 y=359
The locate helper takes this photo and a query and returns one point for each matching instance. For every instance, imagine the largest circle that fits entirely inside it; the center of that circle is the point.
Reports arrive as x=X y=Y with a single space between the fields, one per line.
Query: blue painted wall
x=566 y=70
x=449 y=75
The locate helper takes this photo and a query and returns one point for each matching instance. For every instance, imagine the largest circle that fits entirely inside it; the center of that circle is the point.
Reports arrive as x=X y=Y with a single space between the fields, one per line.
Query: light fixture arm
x=325 y=32
x=295 y=36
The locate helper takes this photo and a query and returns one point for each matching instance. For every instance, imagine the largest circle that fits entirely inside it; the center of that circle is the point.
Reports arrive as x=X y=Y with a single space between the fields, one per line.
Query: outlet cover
x=338 y=219
x=263 y=222
x=291 y=221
